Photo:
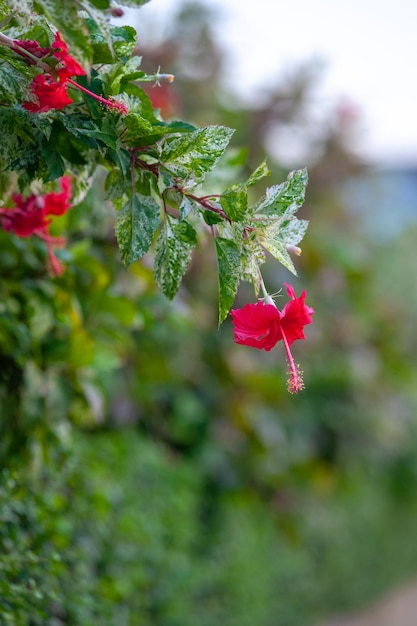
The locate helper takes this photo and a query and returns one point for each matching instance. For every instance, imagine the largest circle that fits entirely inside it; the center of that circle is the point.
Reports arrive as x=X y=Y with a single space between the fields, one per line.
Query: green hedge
x=118 y=532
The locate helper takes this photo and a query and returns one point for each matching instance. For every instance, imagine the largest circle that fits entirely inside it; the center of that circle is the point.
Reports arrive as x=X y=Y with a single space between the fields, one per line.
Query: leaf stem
x=203 y=201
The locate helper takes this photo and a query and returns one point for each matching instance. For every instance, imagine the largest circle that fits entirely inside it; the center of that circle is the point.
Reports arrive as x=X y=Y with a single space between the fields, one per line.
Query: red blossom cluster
x=30 y=216
x=262 y=325
x=50 y=88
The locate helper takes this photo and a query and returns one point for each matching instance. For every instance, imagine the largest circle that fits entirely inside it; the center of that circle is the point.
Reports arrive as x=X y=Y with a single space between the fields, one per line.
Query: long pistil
x=295 y=382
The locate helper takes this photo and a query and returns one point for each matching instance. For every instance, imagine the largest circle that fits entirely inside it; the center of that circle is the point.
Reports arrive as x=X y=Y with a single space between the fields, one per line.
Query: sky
x=368 y=50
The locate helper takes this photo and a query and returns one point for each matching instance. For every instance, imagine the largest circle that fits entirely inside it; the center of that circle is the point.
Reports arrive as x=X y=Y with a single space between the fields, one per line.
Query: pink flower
x=29 y=217
x=262 y=325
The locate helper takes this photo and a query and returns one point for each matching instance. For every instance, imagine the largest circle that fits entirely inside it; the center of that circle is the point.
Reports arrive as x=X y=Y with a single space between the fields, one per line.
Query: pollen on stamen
x=116 y=104
x=295 y=382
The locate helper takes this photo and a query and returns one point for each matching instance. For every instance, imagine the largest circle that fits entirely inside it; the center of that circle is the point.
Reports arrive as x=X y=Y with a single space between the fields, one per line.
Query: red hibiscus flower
x=50 y=89
x=26 y=218
x=262 y=325
x=49 y=94
x=29 y=217
x=67 y=66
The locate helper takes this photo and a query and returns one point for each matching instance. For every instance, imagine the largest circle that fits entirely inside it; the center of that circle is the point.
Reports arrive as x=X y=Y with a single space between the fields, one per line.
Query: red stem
x=115 y=105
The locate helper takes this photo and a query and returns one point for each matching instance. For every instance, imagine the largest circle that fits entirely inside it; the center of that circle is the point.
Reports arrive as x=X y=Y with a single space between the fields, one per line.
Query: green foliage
x=152 y=166
x=192 y=156
x=175 y=244
x=119 y=528
x=65 y=16
x=276 y=210
x=151 y=474
x=228 y=260
x=135 y=227
x=72 y=542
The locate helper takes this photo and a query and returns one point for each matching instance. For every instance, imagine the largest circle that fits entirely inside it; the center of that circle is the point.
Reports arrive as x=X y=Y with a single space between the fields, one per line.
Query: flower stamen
x=295 y=382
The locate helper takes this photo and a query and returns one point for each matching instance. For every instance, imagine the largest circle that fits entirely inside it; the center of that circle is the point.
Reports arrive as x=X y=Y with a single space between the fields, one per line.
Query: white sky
x=369 y=48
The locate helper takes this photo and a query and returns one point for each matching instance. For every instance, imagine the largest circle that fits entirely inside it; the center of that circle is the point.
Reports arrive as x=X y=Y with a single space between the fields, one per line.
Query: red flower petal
x=49 y=94
x=58 y=203
x=263 y=325
x=68 y=66
x=26 y=218
x=295 y=315
x=257 y=325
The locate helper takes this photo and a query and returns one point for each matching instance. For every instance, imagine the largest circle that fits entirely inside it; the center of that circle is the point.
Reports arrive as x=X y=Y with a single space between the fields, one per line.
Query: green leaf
x=100 y=4
x=126 y=71
x=287 y=195
x=137 y=127
x=278 y=236
x=4 y=9
x=293 y=231
x=228 y=262
x=11 y=84
x=121 y=158
x=211 y=218
x=55 y=165
x=88 y=131
x=65 y=17
x=276 y=225
x=132 y=3
x=253 y=256
x=279 y=252
x=15 y=77
x=19 y=148
x=186 y=207
x=21 y=7
x=39 y=29
x=135 y=227
x=192 y=155
x=176 y=126
x=174 y=247
x=261 y=171
x=234 y=202
x=102 y=25
x=116 y=185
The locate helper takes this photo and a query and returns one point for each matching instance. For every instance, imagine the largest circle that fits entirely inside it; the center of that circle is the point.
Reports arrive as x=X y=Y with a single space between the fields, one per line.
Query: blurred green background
x=153 y=472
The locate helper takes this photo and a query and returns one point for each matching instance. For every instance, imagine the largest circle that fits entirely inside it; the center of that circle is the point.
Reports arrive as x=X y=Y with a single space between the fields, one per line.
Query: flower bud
x=116 y=12
x=294 y=250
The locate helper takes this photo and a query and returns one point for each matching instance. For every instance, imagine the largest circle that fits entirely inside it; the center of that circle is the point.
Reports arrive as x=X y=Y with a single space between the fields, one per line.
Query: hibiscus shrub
x=74 y=107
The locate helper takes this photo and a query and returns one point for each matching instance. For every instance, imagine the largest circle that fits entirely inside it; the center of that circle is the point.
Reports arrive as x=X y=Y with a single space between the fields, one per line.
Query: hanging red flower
x=262 y=325
x=29 y=217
